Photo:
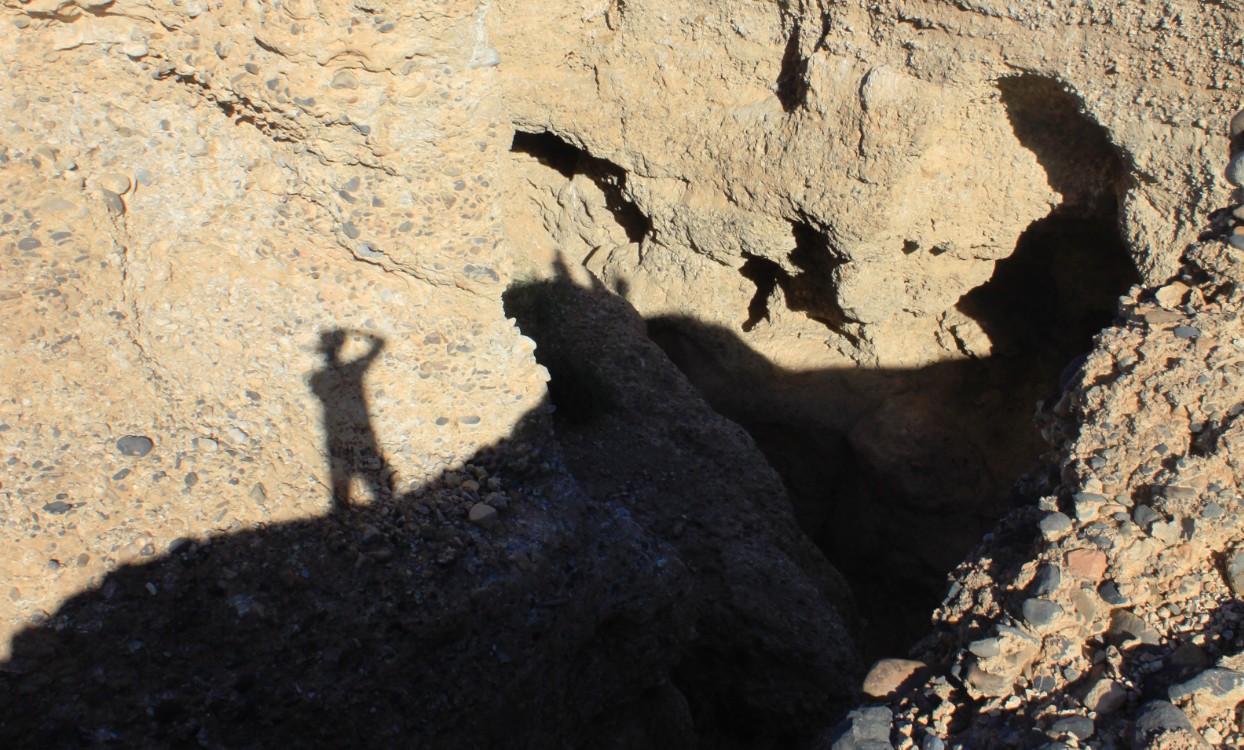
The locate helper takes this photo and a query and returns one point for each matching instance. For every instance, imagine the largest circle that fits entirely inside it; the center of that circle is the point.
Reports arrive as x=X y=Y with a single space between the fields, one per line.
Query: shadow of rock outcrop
x=643 y=583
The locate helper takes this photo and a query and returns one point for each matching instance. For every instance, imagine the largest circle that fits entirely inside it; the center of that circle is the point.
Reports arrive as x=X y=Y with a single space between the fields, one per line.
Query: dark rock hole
x=570 y=160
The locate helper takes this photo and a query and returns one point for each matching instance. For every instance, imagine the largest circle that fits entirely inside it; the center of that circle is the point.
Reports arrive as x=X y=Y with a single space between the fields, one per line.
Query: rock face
x=618 y=374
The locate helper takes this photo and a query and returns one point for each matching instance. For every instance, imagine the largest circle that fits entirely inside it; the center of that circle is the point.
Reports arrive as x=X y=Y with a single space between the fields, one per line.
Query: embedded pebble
x=1086 y=563
x=115 y=182
x=1235 y=571
x=345 y=79
x=1041 y=613
x=1160 y=725
x=482 y=514
x=1235 y=170
x=135 y=445
x=1054 y=525
x=1223 y=686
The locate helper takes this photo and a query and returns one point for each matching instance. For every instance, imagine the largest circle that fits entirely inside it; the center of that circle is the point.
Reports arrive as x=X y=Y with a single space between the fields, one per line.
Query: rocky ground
x=620 y=375
x=1108 y=615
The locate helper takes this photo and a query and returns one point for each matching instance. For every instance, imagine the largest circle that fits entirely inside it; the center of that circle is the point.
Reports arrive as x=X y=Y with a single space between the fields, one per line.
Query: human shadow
x=350 y=440
x=664 y=597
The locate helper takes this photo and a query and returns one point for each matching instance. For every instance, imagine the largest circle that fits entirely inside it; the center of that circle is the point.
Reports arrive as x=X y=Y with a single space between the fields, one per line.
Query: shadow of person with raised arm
x=350 y=441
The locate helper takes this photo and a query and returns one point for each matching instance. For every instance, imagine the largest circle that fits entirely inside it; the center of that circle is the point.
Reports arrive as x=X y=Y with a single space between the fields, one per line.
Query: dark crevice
x=765 y=274
x=570 y=160
x=792 y=82
x=810 y=291
x=1056 y=291
x=1061 y=284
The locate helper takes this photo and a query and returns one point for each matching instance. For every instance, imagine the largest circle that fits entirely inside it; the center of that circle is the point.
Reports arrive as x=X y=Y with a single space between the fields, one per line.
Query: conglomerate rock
x=280 y=466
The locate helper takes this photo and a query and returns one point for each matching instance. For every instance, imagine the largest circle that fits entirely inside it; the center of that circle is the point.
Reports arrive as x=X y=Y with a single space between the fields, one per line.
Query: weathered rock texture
x=280 y=466
x=875 y=235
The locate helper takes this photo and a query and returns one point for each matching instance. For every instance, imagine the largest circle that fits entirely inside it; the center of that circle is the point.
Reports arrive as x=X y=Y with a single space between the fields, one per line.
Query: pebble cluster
x=1109 y=615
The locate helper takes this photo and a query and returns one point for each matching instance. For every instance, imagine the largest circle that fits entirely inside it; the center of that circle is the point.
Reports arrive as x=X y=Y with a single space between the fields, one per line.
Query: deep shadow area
x=569 y=160
x=894 y=474
x=643 y=584
x=792 y=82
x=1061 y=284
x=1056 y=291
x=1079 y=160
x=897 y=474
x=810 y=290
x=651 y=440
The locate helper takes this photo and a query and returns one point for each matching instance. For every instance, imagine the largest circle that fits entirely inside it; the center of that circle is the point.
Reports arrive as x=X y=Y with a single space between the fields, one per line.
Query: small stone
x=258 y=494
x=1160 y=725
x=985 y=647
x=113 y=202
x=1110 y=594
x=1221 y=687
x=1086 y=563
x=1047 y=580
x=1128 y=626
x=57 y=507
x=890 y=677
x=1172 y=295
x=350 y=230
x=135 y=50
x=482 y=514
x=1235 y=571
x=1189 y=656
x=344 y=79
x=29 y=243
x=196 y=147
x=135 y=445
x=1087 y=505
x=1237 y=124
x=1105 y=696
x=988 y=684
x=1186 y=332
x=115 y=182
x=1144 y=516
x=236 y=436
x=1087 y=604
x=1054 y=525
x=1041 y=613
x=864 y=729
x=1235 y=170
x=1080 y=727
